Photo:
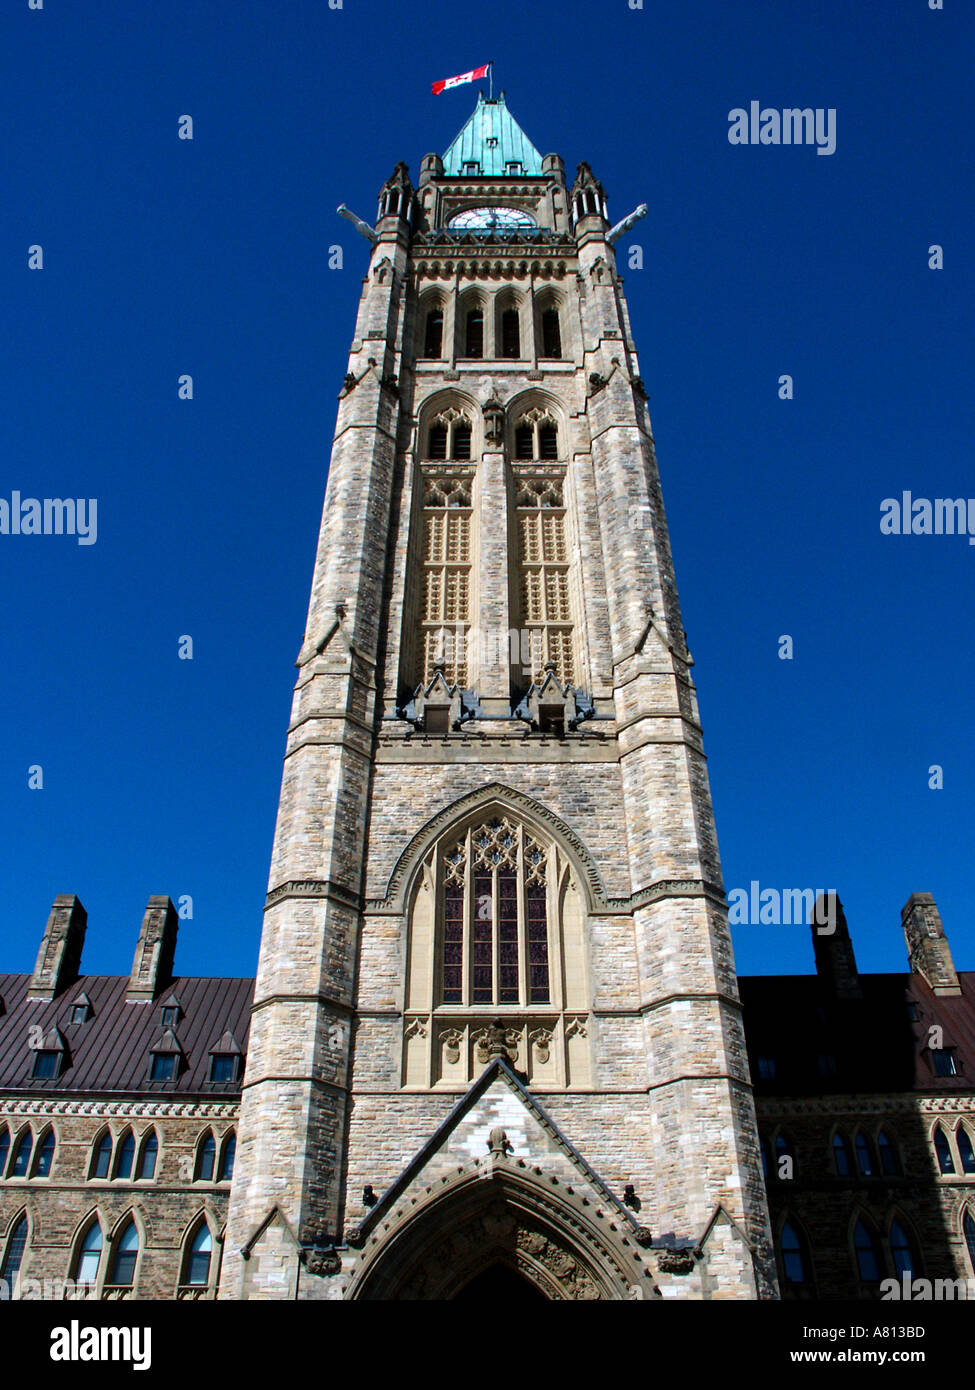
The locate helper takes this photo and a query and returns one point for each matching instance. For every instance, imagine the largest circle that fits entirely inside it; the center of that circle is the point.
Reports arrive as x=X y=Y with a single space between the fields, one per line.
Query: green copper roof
x=492 y=139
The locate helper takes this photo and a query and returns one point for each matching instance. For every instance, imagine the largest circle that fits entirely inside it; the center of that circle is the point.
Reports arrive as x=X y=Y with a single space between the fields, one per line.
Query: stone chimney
x=836 y=964
x=927 y=946
x=152 y=965
x=59 y=959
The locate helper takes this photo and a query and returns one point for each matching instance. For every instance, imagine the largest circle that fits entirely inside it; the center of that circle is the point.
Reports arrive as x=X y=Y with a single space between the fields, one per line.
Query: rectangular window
x=766 y=1068
x=163 y=1066
x=433 y=340
x=537 y=944
x=46 y=1065
x=445 y=597
x=546 y=613
x=944 y=1061
x=223 y=1067
x=453 y=944
x=474 y=337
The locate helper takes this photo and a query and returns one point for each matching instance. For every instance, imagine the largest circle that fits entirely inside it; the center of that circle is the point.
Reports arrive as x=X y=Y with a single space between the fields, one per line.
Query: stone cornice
x=832 y=1106
x=188 y=1109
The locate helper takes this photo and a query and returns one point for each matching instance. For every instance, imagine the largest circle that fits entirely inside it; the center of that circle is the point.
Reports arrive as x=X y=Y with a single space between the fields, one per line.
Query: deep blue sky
x=164 y=257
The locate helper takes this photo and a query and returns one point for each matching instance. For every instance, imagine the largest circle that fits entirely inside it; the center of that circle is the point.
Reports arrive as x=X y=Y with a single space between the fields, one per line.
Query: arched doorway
x=499 y=1233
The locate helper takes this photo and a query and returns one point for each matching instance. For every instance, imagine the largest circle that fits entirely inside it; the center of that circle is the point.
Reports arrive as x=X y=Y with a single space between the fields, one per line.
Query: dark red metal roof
x=874 y=1042
x=111 y=1051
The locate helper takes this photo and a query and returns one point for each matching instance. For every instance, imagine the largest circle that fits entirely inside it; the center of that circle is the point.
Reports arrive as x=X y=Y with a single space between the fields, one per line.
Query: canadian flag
x=449 y=82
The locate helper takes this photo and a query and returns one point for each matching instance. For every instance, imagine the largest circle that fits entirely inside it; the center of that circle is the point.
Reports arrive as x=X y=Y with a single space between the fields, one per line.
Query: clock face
x=492 y=220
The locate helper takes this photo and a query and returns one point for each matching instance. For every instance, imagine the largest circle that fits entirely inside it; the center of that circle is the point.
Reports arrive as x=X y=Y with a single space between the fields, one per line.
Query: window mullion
x=523 y=985
x=495 y=936
x=466 y=989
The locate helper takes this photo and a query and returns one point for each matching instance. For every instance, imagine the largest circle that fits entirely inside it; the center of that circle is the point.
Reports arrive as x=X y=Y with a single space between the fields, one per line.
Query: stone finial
x=59 y=958
x=928 y=951
x=836 y=964
x=152 y=965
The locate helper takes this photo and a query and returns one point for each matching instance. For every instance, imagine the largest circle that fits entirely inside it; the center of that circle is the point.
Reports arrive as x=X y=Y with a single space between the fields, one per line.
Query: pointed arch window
x=495 y=922
x=126 y=1155
x=867 y=1253
x=14 y=1255
x=206 y=1158
x=536 y=436
x=4 y=1148
x=101 y=1161
x=841 y=1155
x=433 y=333
x=198 y=1259
x=795 y=1254
x=474 y=332
x=148 y=1156
x=965 y=1151
x=22 y=1153
x=902 y=1250
x=864 y=1152
x=450 y=435
x=942 y=1148
x=89 y=1255
x=510 y=333
x=45 y=1156
x=551 y=333
x=228 y=1156
x=545 y=614
x=968 y=1231
x=887 y=1153
x=125 y=1256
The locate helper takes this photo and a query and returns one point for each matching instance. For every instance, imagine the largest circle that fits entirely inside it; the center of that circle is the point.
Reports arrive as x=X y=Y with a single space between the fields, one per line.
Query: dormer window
x=79 y=1013
x=169 y=1017
x=514 y=167
x=225 y=1059
x=170 y=1011
x=944 y=1061
x=48 y=1057
x=471 y=169
x=165 y=1058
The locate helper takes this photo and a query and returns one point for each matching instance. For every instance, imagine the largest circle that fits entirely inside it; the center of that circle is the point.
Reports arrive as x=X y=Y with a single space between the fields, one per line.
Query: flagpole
x=490 y=81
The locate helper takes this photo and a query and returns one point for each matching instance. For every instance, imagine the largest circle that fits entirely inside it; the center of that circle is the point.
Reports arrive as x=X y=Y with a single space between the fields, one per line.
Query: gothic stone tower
x=496 y=1043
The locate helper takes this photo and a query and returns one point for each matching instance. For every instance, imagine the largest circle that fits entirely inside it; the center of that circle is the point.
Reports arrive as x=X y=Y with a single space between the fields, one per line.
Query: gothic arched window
x=147 y=1158
x=197 y=1271
x=889 y=1160
x=101 y=1158
x=45 y=1156
x=4 y=1147
x=545 y=616
x=89 y=1255
x=14 y=1255
x=450 y=435
x=902 y=1250
x=841 y=1155
x=126 y=1155
x=551 y=333
x=496 y=960
x=795 y=1254
x=125 y=1255
x=867 y=1253
x=433 y=332
x=474 y=333
x=22 y=1153
x=495 y=932
x=864 y=1154
x=206 y=1157
x=946 y=1164
x=227 y=1157
x=968 y=1231
x=965 y=1151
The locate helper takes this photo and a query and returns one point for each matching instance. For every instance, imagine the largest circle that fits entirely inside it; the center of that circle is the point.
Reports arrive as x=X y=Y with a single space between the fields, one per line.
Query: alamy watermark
x=793 y=125
x=755 y=906
x=920 y=516
x=50 y=516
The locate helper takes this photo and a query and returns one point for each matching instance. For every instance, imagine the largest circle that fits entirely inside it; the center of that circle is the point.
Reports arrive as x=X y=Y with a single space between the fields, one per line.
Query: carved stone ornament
x=493 y=411
x=355 y=1237
x=498 y=1142
x=497 y=1041
x=675 y=1261
x=322 y=1260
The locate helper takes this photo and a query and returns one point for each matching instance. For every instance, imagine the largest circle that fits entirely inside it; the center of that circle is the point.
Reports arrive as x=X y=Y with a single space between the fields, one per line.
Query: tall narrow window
x=126 y=1254
x=198 y=1264
x=147 y=1158
x=22 y=1153
x=968 y=1230
x=795 y=1261
x=126 y=1155
x=510 y=334
x=901 y=1250
x=45 y=1156
x=433 y=334
x=4 y=1148
x=546 y=618
x=14 y=1255
x=446 y=579
x=943 y=1150
x=89 y=1256
x=227 y=1157
x=867 y=1254
x=474 y=333
x=495 y=905
x=206 y=1158
x=865 y=1161
x=841 y=1155
x=551 y=333
x=449 y=436
x=965 y=1151
x=889 y=1162
x=102 y=1157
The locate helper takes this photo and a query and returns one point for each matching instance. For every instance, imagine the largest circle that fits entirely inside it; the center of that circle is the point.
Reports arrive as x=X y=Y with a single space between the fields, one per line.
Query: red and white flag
x=449 y=82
